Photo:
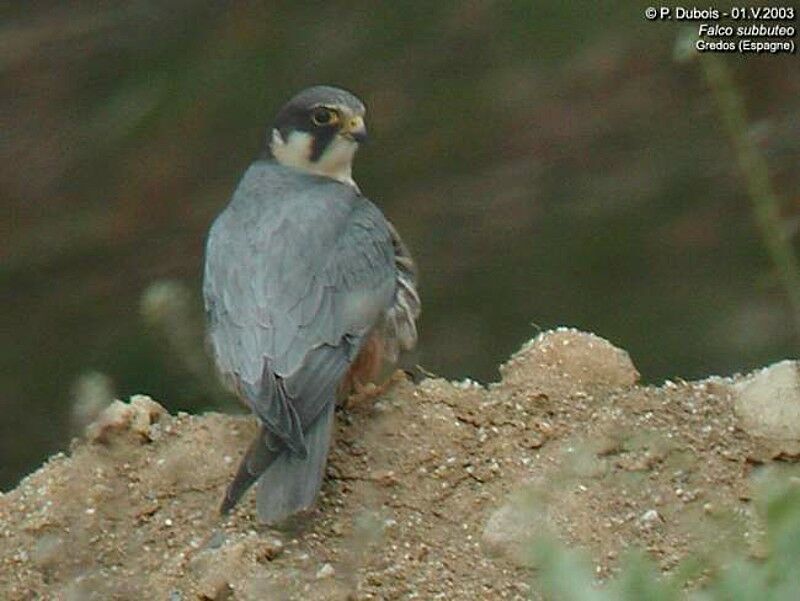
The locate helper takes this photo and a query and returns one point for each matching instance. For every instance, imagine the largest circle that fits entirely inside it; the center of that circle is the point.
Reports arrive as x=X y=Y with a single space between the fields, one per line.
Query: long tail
x=287 y=483
x=290 y=483
x=260 y=454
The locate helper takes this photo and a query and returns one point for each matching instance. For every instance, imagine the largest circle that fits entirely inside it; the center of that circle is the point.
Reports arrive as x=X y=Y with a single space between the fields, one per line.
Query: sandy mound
x=433 y=491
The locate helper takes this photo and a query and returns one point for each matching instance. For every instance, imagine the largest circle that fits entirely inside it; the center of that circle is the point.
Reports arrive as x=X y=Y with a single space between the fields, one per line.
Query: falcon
x=309 y=292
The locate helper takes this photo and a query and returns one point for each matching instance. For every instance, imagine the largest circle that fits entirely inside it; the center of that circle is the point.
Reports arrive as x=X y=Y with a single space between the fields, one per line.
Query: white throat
x=336 y=162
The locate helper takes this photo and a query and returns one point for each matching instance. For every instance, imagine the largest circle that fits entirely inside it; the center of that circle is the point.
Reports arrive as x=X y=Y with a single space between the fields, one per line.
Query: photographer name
x=736 y=13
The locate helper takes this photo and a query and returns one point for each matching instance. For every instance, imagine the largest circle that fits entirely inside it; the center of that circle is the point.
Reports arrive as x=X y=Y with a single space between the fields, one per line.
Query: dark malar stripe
x=322 y=139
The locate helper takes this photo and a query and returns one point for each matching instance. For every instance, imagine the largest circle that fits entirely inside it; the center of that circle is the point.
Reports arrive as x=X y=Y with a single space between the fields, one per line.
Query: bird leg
x=365 y=392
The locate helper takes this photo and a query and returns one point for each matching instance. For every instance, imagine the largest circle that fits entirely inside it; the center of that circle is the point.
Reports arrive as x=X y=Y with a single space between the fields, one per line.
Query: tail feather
x=290 y=483
x=260 y=454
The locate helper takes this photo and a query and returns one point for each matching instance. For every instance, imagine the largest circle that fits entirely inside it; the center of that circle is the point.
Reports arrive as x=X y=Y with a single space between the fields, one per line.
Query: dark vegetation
x=549 y=164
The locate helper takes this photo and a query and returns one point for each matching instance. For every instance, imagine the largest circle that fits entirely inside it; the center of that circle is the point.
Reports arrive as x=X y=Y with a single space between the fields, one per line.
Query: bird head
x=319 y=131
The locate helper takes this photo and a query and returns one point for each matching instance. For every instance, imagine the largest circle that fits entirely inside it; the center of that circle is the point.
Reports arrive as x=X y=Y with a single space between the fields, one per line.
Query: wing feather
x=298 y=270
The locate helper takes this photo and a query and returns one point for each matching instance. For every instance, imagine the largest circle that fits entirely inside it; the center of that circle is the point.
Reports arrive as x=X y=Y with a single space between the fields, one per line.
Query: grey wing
x=352 y=291
x=291 y=290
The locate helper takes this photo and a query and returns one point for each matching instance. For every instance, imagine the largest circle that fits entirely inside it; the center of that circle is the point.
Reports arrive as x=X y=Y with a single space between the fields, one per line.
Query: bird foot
x=364 y=393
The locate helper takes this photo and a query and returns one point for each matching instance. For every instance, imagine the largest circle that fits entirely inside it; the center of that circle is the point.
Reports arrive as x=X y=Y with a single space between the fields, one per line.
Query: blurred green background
x=547 y=163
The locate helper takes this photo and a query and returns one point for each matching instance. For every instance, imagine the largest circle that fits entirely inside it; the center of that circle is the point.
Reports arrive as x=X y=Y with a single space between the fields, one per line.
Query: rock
x=583 y=362
x=138 y=417
x=216 y=591
x=651 y=515
x=214 y=569
x=146 y=412
x=511 y=530
x=216 y=540
x=326 y=571
x=270 y=549
x=767 y=403
x=114 y=418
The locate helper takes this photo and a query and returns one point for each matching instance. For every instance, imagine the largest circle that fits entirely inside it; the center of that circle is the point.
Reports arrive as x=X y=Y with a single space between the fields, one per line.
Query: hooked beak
x=355 y=129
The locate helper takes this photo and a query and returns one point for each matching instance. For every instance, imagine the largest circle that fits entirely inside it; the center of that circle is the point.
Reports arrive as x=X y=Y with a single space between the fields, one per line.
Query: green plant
x=565 y=574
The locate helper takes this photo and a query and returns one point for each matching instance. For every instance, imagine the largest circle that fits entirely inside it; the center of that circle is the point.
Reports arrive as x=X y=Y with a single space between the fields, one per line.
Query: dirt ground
x=434 y=491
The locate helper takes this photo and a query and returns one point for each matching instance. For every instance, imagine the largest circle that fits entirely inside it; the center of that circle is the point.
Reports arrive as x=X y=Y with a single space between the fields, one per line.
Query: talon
x=362 y=393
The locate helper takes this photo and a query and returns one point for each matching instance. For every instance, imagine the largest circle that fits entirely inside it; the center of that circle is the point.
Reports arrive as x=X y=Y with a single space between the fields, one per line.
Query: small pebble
x=326 y=571
x=651 y=515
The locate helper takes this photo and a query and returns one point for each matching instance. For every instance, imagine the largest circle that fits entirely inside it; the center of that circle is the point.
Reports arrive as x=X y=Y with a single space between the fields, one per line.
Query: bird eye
x=323 y=116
